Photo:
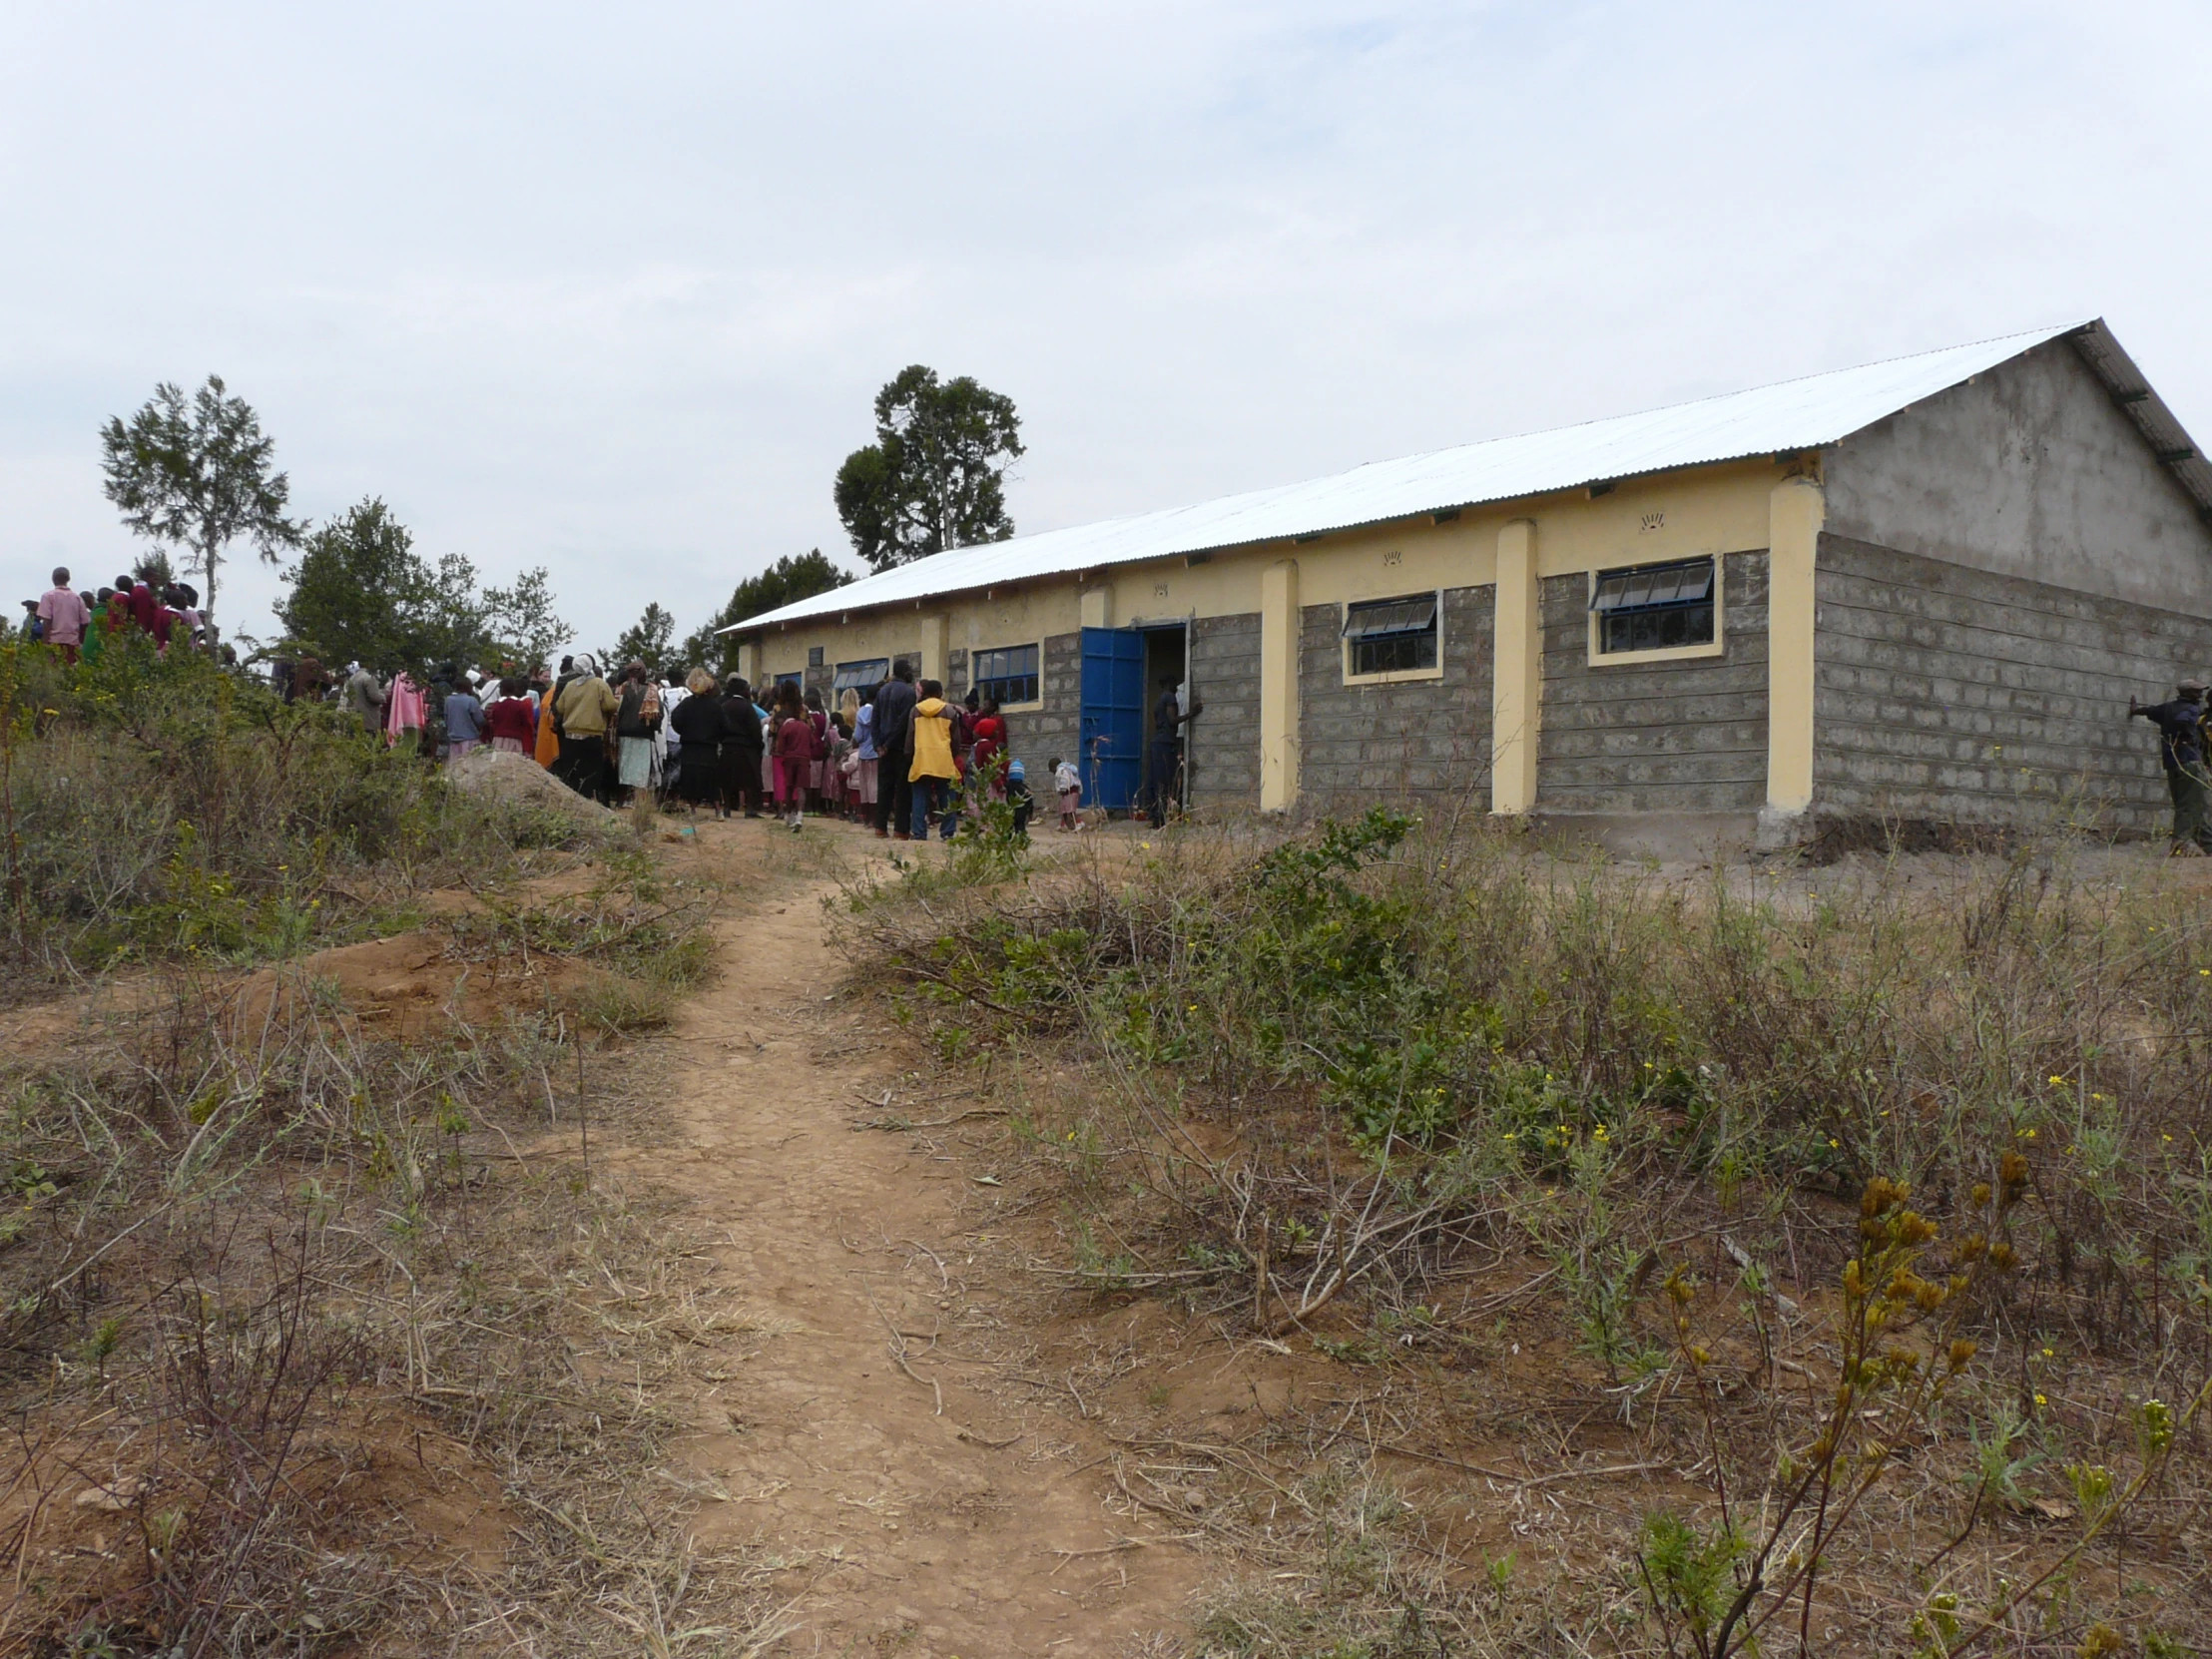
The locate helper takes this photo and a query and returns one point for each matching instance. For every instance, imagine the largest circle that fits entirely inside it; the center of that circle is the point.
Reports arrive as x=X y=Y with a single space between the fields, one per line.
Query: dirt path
x=911 y=1527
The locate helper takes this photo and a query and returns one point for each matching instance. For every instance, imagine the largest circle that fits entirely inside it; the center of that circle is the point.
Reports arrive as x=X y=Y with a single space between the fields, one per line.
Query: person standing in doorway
x=895 y=747
x=1164 y=760
x=2180 y=726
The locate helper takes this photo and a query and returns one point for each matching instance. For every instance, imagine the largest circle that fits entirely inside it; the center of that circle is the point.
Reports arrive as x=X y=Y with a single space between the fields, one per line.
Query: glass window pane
x=1655 y=607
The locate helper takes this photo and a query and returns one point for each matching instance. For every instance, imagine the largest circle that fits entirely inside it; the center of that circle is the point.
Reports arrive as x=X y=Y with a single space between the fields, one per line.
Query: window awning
x=1654 y=587
x=1393 y=616
x=860 y=676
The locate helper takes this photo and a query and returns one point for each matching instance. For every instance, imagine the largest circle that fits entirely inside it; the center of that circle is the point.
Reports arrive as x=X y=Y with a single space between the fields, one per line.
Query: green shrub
x=160 y=807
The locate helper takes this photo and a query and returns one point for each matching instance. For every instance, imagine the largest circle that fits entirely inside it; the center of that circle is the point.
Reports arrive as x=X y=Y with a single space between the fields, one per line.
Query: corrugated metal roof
x=1796 y=415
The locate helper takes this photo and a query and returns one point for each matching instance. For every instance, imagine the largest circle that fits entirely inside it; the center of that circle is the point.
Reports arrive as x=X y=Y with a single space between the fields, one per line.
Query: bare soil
x=883 y=1420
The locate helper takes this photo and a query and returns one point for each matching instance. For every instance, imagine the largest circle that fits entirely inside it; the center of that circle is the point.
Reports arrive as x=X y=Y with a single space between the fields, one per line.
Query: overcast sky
x=610 y=288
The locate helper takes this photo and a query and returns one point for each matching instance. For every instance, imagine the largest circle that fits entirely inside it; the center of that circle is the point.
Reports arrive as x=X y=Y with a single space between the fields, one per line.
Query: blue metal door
x=1113 y=717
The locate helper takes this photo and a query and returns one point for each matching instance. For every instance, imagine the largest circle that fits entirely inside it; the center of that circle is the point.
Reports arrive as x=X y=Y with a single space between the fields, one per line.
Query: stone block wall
x=1944 y=694
x=1683 y=735
x=955 y=674
x=1036 y=734
x=1366 y=743
x=1225 y=740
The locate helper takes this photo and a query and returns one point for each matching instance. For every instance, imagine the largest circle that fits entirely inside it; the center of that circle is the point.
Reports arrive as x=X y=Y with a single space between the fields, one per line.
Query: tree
x=199 y=476
x=934 y=478
x=790 y=579
x=455 y=628
x=523 y=621
x=358 y=593
x=645 y=641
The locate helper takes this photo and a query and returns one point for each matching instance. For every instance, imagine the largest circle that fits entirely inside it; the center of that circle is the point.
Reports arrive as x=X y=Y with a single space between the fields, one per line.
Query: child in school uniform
x=1070 y=785
x=791 y=743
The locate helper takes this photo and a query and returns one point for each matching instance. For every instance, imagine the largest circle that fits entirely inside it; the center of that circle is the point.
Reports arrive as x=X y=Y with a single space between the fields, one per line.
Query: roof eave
x=2161 y=429
x=773 y=619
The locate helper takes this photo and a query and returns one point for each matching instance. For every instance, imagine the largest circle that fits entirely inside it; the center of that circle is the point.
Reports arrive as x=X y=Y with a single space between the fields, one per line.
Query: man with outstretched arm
x=2181 y=751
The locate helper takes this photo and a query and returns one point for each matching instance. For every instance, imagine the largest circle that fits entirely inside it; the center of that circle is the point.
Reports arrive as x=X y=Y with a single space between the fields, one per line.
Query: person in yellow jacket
x=585 y=708
x=933 y=772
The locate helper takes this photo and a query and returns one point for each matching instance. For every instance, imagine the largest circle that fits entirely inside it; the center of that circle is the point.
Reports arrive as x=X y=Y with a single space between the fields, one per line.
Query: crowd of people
x=82 y=624
x=898 y=756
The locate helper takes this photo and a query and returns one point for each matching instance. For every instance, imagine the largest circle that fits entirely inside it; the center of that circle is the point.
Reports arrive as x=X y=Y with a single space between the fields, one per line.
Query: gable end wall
x=2028 y=470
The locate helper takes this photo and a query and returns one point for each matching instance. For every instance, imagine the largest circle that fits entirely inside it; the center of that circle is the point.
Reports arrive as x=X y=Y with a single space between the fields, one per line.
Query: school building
x=1918 y=593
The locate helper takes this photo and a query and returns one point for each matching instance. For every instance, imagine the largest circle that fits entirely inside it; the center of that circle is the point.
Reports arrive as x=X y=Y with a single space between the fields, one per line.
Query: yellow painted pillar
x=749 y=661
x=1098 y=606
x=1279 y=686
x=1517 y=671
x=1795 y=512
x=933 y=649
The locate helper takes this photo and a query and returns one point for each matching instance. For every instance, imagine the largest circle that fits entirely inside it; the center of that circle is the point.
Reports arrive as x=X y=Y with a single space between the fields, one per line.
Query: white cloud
x=611 y=288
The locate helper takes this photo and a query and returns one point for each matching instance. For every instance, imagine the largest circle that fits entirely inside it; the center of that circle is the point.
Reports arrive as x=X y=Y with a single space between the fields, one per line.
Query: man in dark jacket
x=2181 y=749
x=894 y=742
x=1164 y=760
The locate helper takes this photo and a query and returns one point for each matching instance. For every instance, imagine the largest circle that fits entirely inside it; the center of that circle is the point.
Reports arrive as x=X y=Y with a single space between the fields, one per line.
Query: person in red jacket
x=512 y=717
x=792 y=739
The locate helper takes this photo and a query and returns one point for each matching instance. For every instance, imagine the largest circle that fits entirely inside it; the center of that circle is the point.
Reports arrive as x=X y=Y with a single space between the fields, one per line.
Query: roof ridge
x=2037 y=335
x=1770 y=418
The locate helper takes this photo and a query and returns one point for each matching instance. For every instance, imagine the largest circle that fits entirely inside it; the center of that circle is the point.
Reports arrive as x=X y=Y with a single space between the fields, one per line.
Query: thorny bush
x=156 y=808
x=1486 y=1043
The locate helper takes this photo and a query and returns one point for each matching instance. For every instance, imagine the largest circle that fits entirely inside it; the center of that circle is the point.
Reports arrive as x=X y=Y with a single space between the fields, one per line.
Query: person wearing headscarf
x=364 y=697
x=406 y=710
x=586 y=707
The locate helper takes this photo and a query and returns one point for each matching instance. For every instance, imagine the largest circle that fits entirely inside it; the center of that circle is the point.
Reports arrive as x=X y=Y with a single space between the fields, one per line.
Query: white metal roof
x=1799 y=414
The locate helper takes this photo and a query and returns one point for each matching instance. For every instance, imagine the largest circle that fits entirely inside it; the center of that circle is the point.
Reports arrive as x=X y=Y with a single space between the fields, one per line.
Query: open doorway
x=1167 y=656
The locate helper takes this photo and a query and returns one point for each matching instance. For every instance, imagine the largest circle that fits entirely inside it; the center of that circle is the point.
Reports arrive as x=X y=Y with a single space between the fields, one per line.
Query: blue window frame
x=862 y=677
x=1654 y=607
x=1007 y=675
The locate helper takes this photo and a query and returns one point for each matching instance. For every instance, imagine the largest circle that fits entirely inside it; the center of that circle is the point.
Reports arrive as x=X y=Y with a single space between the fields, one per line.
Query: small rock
x=121 y=1496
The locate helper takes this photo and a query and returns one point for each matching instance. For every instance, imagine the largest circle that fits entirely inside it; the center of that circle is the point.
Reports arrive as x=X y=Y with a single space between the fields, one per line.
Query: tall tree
x=359 y=594
x=455 y=628
x=647 y=640
x=790 y=579
x=934 y=478
x=199 y=477
x=523 y=620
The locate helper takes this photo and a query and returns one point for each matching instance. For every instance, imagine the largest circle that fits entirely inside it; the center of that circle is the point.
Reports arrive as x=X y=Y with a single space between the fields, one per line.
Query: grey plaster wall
x=1951 y=694
x=2028 y=470
x=1225 y=737
x=1419 y=737
x=1687 y=736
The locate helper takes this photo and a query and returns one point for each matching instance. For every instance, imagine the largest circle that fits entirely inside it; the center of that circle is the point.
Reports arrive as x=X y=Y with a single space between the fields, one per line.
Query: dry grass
x=1453 y=1117
x=315 y=1337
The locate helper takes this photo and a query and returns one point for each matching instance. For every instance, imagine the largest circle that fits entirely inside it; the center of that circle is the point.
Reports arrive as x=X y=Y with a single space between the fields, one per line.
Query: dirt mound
x=517 y=778
x=409 y=985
